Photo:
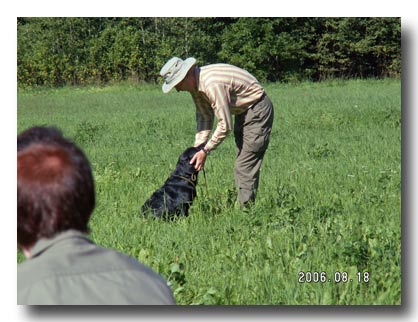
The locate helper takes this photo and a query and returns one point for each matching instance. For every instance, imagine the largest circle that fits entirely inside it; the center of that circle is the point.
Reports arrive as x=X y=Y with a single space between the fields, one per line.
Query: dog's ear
x=188 y=154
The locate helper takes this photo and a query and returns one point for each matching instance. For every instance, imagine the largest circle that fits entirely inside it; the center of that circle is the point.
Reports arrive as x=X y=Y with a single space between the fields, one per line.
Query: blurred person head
x=55 y=188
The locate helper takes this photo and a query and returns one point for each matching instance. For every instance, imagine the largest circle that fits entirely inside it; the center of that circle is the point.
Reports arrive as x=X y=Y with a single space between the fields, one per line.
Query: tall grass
x=329 y=197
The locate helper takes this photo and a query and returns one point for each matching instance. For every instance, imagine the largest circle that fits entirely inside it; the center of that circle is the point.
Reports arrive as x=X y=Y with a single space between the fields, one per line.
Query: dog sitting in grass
x=176 y=196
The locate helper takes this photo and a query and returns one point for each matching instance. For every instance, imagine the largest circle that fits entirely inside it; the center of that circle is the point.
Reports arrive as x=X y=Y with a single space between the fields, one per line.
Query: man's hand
x=199 y=160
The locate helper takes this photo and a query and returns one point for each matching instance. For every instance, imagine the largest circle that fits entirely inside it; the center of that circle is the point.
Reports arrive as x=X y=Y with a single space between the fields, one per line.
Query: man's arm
x=220 y=100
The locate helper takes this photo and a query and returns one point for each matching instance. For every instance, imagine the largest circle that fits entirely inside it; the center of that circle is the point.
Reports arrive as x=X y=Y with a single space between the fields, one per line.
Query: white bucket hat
x=174 y=71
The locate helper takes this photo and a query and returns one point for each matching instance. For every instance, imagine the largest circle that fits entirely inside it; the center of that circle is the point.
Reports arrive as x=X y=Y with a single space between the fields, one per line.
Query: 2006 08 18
x=336 y=277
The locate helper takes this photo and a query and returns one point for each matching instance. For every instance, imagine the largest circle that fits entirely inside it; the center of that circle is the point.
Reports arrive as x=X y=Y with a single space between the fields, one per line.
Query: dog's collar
x=191 y=180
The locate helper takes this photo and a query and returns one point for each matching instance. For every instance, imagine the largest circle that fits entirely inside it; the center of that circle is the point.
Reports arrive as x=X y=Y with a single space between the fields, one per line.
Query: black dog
x=175 y=197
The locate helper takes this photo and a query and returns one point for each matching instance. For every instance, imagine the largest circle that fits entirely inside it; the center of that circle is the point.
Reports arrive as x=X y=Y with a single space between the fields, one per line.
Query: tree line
x=79 y=51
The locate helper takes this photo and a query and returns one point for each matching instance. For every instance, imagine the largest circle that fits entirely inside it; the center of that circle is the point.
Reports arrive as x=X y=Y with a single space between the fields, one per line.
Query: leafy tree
x=78 y=51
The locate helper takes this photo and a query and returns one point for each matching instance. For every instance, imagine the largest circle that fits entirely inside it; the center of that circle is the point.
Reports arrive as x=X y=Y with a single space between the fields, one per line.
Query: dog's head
x=187 y=156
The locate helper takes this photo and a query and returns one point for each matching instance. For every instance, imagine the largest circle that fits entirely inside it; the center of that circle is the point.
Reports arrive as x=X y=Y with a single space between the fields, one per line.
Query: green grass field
x=326 y=228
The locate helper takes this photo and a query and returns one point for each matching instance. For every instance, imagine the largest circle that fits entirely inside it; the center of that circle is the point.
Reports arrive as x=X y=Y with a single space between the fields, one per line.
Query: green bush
x=80 y=51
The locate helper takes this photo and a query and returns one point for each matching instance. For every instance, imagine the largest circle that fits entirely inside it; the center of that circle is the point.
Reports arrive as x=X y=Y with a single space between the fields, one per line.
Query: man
x=221 y=90
x=55 y=198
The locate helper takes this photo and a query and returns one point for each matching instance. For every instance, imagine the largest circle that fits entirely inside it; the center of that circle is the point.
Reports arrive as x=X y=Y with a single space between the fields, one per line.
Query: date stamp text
x=334 y=277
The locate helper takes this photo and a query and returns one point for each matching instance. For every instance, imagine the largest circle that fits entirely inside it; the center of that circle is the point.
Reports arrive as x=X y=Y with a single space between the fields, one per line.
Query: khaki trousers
x=252 y=135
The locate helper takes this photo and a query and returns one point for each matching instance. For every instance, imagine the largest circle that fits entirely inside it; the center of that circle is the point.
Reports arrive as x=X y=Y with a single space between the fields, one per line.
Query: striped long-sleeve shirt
x=222 y=90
